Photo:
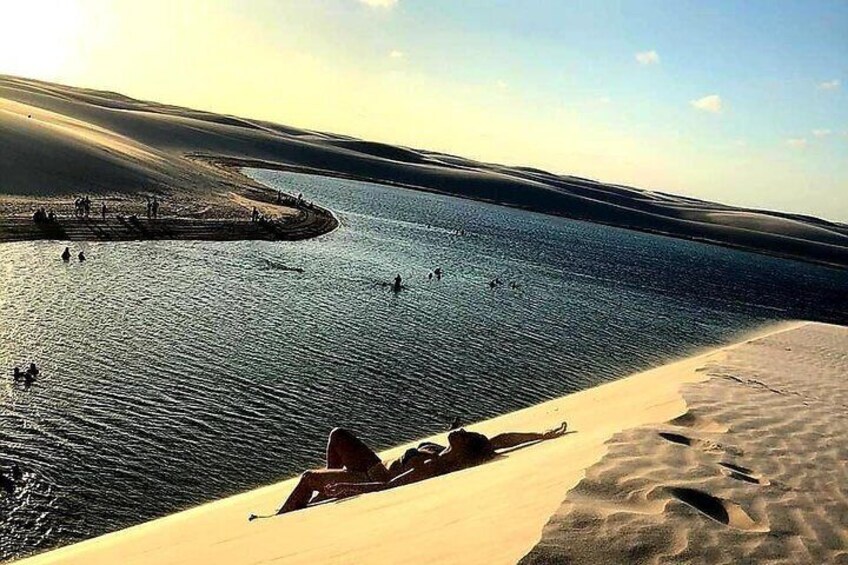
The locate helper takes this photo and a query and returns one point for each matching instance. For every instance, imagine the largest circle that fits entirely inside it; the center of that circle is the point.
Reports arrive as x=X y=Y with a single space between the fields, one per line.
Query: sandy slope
x=490 y=514
x=756 y=471
x=59 y=140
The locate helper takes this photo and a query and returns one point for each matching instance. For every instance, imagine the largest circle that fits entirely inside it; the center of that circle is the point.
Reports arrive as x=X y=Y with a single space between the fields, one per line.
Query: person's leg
x=345 y=450
x=312 y=481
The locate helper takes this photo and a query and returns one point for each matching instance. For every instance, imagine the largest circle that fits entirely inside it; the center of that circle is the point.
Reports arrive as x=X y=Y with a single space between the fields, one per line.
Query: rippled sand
x=755 y=471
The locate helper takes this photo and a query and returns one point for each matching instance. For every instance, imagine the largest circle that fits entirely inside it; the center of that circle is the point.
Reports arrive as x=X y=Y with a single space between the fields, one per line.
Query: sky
x=742 y=102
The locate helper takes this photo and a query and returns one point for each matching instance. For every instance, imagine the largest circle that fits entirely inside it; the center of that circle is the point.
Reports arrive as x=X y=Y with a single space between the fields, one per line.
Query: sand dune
x=754 y=471
x=60 y=140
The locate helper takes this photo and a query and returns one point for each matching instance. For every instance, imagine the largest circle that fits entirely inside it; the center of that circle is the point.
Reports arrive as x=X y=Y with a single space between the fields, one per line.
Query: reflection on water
x=178 y=372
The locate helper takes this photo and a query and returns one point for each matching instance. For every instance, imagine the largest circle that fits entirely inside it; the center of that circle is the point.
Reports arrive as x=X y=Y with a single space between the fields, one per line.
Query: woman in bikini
x=353 y=468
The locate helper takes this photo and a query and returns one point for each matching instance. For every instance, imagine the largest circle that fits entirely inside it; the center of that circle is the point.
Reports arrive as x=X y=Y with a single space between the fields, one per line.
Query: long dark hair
x=478 y=448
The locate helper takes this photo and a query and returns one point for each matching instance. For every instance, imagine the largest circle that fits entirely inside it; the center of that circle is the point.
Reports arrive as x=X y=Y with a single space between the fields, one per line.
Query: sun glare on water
x=39 y=38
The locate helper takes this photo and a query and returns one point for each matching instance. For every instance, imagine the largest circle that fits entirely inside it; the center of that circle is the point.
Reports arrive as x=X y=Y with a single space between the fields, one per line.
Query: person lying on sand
x=353 y=468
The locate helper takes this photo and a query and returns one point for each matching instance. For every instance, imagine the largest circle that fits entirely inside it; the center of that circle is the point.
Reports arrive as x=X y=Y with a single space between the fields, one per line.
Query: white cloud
x=829 y=84
x=821 y=132
x=648 y=58
x=711 y=103
x=502 y=85
x=797 y=142
x=380 y=3
x=395 y=54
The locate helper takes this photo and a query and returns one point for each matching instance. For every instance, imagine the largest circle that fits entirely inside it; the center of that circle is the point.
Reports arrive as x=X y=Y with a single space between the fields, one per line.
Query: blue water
x=178 y=372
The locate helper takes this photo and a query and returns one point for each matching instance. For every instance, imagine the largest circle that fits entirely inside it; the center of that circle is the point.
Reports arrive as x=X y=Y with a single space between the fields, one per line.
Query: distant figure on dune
x=254 y=216
x=81 y=256
x=33 y=370
x=66 y=254
x=397 y=286
x=353 y=468
x=438 y=272
x=103 y=211
x=17 y=374
x=154 y=208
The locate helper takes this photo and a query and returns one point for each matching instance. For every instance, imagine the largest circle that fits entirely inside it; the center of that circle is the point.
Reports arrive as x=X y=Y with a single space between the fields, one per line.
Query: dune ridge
x=754 y=472
x=59 y=140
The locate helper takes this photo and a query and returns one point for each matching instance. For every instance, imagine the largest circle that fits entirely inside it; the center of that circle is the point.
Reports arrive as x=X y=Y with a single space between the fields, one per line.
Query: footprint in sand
x=702 y=444
x=723 y=511
x=741 y=473
x=698 y=423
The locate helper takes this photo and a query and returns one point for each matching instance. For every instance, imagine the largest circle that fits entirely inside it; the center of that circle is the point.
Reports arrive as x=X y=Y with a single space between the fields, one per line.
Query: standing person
x=155 y=207
x=17 y=374
x=66 y=254
x=81 y=256
x=33 y=370
x=103 y=211
x=149 y=207
x=397 y=286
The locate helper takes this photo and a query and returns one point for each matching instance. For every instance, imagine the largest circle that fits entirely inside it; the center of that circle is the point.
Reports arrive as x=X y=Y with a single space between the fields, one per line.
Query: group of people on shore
x=25 y=377
x=152 y=208
x=82 y=207
x=42 y=216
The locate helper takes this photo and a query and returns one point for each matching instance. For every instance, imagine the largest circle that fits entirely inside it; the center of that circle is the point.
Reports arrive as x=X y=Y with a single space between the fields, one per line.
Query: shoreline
x=236 y=163
x=491 y=513
x=189 y=218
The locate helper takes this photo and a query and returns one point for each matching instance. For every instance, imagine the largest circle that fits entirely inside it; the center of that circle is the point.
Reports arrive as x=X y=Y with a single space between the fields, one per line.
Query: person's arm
x=513 y=439
x=428 y=469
